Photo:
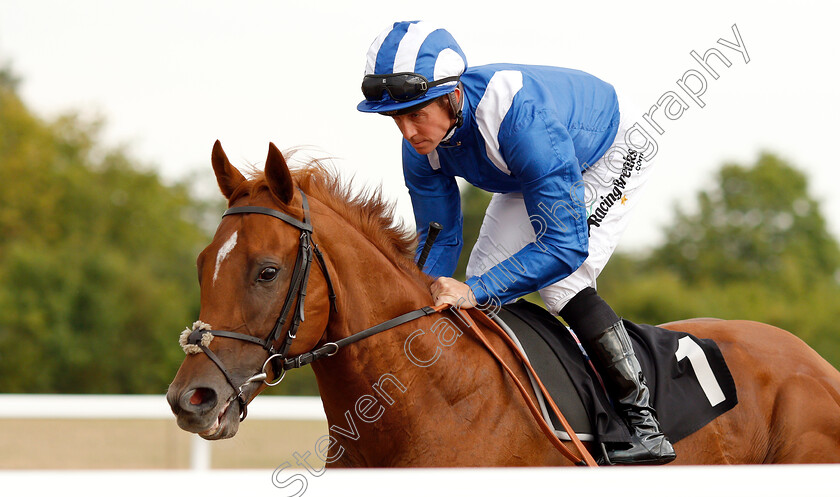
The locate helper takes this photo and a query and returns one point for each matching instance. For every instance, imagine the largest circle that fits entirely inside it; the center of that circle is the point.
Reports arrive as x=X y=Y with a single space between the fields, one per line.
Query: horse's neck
x=423 y=379
x=371 y=287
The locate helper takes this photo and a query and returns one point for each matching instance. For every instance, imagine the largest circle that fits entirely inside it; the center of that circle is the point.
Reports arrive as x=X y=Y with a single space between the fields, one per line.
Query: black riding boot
x=622 y=375
x=605 y=339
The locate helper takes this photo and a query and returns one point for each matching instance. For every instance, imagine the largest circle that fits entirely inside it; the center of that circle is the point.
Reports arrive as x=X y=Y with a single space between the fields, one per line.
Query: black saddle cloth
x=689 y=381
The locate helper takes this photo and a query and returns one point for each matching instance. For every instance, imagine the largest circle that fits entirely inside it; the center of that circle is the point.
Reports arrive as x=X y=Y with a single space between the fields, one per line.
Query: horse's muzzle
x=204 y=411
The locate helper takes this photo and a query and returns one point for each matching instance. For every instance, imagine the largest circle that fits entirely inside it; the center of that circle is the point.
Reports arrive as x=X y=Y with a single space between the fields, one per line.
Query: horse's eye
x=268 y=274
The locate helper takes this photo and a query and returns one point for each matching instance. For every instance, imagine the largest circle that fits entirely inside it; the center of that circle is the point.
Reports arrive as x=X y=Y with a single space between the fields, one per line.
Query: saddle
x=689 y=381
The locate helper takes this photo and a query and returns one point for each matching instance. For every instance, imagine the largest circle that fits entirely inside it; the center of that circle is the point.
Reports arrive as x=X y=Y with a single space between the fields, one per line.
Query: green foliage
x=473 y=204
x=8 y=79
x=297 y=382
x=758 y=224
x=756 y=248
x=97 y=260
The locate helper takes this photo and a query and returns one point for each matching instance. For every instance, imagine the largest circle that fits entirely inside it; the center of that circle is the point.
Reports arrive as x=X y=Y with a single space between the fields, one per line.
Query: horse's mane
x=366 y=210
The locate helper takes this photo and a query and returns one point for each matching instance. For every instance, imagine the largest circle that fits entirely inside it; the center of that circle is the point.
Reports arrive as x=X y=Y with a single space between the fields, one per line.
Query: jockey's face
x=425 y=128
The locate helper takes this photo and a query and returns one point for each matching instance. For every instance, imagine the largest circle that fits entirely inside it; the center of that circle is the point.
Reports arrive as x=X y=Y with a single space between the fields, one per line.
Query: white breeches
x=613 y=186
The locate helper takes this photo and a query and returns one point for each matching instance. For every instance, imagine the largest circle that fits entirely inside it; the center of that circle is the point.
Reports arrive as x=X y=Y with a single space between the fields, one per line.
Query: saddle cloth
x=689 y=381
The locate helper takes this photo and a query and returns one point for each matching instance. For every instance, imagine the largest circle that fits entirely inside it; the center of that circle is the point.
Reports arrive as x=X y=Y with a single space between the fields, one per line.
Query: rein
x=198 y=338
x=586 y=458
x=330 y=348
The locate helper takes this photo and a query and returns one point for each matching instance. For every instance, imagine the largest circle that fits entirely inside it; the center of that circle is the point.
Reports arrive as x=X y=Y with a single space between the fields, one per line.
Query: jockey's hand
x=451 y=291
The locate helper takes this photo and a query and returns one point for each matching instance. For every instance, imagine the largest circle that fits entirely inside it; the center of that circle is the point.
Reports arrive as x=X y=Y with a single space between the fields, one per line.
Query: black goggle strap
x=373 y=92
x=444 y=80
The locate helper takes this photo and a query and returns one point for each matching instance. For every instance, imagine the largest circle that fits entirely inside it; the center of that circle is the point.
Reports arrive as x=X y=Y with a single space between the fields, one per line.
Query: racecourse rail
x=36 y=406
x=767 y=481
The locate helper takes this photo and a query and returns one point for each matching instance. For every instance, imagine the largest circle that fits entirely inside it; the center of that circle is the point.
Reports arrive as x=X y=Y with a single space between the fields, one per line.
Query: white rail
x=34 y=406
x=740 y=481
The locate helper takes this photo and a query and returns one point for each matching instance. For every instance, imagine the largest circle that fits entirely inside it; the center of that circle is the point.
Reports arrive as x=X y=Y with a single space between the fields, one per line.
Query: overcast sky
x=170 y=77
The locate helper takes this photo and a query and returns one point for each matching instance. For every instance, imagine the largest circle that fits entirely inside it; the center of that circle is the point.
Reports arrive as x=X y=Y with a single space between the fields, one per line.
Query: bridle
x=297 y=292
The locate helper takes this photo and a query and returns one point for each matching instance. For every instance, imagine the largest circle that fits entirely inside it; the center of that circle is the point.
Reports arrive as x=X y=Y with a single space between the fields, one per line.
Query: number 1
x=688 y=348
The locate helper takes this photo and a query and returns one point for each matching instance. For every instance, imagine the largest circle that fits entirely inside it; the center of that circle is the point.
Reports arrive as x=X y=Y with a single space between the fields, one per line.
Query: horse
x=424 y=393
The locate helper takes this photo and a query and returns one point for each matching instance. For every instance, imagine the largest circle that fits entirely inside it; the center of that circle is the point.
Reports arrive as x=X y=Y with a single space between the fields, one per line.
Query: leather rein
x=307 y=250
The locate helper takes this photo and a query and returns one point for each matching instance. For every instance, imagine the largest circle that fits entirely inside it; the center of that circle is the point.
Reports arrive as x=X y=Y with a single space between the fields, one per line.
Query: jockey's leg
x=504 y=231
x=613 y=186
x=606 y=341
x=592 y=319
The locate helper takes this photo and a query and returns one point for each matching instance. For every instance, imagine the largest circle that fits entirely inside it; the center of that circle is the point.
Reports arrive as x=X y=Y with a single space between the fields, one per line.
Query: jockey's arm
x=540 y=154
x=434 y=197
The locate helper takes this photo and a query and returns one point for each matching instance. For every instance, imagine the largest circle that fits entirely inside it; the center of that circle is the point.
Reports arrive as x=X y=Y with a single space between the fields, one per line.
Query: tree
x=756 y=248
x=97 y=260
x=758 y=224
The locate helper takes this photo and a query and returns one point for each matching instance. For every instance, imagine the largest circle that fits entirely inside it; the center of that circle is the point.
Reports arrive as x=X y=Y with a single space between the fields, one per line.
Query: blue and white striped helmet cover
x=418 y=47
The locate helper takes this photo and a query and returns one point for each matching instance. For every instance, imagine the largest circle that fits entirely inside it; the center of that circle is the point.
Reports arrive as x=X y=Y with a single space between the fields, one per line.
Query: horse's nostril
x=200 y=398
x=197 y=397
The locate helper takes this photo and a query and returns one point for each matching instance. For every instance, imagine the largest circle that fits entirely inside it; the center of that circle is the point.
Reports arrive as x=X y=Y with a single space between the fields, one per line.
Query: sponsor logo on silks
x=596 y=215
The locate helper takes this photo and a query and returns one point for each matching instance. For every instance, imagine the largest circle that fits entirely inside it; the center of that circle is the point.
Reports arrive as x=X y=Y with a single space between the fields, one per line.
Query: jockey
x=553 y=148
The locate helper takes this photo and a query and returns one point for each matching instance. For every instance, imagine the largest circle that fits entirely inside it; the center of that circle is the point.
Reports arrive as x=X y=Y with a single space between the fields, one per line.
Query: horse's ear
x=228 y=177
x=277 y=175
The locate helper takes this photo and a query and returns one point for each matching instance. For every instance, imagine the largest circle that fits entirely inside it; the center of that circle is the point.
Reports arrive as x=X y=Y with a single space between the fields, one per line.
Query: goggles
x=401 y=86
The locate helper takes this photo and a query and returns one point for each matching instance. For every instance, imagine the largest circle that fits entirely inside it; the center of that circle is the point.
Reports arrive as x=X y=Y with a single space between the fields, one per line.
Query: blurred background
x=108 y=112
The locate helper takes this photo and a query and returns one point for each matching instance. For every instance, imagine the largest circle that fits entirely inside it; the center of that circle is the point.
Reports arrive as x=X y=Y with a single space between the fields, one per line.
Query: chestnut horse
x=415 y=395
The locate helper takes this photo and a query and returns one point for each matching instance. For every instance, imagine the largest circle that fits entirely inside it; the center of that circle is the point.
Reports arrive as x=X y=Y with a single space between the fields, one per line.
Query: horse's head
x=252 y=278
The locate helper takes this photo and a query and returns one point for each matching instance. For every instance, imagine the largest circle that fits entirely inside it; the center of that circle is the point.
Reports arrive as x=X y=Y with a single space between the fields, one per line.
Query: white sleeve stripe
x=434 y=160
x=410 y=44
x=493 y=108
